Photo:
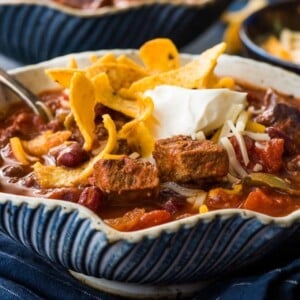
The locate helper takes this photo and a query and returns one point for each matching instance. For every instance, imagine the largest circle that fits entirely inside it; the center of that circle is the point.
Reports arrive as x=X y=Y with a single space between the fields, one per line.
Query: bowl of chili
x=272 y=35
x=182 y=233
x=33 y=31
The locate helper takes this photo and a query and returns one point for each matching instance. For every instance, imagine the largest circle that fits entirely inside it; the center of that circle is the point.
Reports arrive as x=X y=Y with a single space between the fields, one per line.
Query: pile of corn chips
x=118 y=83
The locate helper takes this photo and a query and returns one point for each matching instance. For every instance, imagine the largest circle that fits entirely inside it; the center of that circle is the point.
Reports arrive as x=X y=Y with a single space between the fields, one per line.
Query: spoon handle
x=26 y=95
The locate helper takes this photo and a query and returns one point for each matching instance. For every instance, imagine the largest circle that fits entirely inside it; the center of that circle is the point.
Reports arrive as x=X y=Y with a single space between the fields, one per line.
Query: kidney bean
x=174 y=204
x=92 y=198
x=14 y=171
x=71 y=156
x=29 y=181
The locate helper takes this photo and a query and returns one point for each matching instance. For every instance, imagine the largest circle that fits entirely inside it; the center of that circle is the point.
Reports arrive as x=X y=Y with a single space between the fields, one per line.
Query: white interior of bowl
x=102 y=10
x=249 y=71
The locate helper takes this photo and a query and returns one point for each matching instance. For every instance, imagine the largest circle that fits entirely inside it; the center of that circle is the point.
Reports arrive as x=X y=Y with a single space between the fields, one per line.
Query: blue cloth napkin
x=26 y=275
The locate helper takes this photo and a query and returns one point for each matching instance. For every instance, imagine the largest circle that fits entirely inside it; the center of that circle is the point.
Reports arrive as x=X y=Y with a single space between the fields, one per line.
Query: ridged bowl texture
x=210 y=247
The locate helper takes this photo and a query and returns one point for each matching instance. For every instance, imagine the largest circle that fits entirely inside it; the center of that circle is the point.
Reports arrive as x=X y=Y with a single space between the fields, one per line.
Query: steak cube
x=126 y=178
x=183 y=159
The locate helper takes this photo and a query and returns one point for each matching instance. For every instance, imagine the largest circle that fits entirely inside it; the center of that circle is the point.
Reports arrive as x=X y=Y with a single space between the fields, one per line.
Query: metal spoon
x=24 y=94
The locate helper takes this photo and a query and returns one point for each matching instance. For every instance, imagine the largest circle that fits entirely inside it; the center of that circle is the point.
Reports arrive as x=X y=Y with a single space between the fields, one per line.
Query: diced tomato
x=139 y=219
x=127 y=222
x=270 y=155
x=219 y=198
x=274 y=204
x=153 y=218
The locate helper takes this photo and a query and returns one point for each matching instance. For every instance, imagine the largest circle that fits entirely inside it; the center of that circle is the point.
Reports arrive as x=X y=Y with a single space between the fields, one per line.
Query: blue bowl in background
x=268 y=21
x=33 y=31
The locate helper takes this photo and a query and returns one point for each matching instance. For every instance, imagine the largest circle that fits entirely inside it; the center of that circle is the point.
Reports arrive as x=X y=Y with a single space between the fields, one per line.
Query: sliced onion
x=184 y=191
x=198 y=200
x=232 y=179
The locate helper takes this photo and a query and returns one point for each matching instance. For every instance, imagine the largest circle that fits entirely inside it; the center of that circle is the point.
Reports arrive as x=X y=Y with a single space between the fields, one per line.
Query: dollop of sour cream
x=181 y=111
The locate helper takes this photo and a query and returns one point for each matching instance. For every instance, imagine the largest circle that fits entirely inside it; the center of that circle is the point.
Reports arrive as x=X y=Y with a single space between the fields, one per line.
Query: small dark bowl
x=37 y=30
x=270 y=21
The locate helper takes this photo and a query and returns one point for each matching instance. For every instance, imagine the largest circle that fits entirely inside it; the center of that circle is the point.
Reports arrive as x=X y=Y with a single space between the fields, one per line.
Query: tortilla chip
x=120 y=76
x=73 y=63
x=137 y=133
x=93 y=58
x=44 y=142
x=82 y=102
x=55 y=177
x=225 y=82
x=195 y=74
x=104 y=94
x=107 y=58
x=141 y=139
x=216 y=82
x=123 y=59
x=18 y=151
x=159 y=55
x=63 y=76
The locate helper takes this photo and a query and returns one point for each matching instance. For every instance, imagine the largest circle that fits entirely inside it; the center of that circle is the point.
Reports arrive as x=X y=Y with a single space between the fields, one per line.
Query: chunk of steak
x=183 y=159
x=126 y=178
x=285 y=118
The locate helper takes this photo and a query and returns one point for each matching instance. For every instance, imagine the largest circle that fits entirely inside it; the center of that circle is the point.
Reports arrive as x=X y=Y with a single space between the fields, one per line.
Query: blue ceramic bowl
x=33 y=31
x=266 y=22
x=175 y=255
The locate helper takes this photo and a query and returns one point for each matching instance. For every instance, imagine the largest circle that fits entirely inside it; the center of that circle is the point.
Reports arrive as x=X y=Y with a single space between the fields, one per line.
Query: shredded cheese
x=240 y=141
x=257 y=136
x=234 y=163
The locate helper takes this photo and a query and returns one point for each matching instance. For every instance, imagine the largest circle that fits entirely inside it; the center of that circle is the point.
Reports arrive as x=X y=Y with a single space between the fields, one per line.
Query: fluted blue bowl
x=179 y=253
x=33 y=31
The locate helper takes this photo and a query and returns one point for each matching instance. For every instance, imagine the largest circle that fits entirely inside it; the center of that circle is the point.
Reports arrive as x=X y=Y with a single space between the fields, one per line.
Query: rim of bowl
x=152 y=232
x=114 y=235
x=106 y=10
x=254 y=47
